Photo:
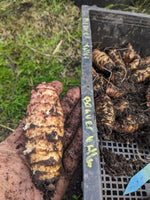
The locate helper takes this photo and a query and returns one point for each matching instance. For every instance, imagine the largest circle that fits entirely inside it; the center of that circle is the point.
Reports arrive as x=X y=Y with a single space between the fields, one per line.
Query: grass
x=139 y=6
x=40 y=41
x=76 y=197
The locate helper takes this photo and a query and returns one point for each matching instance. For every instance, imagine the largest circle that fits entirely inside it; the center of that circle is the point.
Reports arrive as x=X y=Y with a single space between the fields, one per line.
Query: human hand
x=14 y=168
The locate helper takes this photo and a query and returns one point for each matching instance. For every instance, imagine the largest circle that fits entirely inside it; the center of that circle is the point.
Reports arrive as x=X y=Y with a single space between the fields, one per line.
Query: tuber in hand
x=15 y=169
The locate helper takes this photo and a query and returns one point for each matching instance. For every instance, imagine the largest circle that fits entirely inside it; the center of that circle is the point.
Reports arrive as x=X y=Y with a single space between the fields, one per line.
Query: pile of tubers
x=121 y=92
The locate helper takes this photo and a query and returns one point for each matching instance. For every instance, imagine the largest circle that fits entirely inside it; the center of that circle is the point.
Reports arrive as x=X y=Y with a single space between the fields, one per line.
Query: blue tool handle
x=138 y=180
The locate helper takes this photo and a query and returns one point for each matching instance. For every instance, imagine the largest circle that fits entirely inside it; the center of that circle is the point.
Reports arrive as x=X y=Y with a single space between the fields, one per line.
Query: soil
x=117 y=165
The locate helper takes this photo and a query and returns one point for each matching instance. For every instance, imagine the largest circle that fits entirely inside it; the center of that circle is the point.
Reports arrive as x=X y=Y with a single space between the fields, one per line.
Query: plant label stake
x=138 y=180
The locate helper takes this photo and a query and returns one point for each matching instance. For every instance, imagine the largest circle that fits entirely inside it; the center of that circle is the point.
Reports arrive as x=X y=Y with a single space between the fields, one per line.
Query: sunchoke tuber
x=135 y=63
x=102 y=61
x=113 y=91
x=44 y=129
x=142 y=75
x=105 y=115
x=130 y=124
x=128 y=54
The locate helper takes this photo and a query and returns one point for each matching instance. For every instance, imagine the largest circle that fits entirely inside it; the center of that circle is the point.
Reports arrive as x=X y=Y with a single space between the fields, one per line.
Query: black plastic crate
x=107 y=28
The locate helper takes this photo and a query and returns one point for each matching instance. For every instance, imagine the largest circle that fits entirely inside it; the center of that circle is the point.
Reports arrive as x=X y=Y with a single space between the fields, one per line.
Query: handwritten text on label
x=91 y=150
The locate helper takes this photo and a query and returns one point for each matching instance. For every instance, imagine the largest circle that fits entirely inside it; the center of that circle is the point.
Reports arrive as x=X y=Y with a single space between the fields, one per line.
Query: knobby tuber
x=44 y=129
x=116 y=58
x=130 y=124
x=128 y=54
x=135 y=63
x=119 y=71
x=105 y=115
x=142 y=75
x=102 y=61
x=113 y=91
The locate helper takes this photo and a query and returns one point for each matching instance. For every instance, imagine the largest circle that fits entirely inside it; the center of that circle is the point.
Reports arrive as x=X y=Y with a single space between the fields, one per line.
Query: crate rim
x=92 y=8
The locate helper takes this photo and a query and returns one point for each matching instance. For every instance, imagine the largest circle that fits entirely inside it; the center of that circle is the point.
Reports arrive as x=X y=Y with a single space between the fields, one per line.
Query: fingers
x=73 y=154
x=71 y=159
x=69 y=100
x=58 y=86
x=61 y=188
x=72 y=124
x=71 y=105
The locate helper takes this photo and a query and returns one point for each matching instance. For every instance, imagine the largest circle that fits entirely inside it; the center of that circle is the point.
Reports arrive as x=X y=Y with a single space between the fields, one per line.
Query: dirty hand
x=15 y=177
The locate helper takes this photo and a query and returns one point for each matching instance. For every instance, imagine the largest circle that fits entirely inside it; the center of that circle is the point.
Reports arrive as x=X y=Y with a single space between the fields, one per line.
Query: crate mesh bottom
x=113 y=188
